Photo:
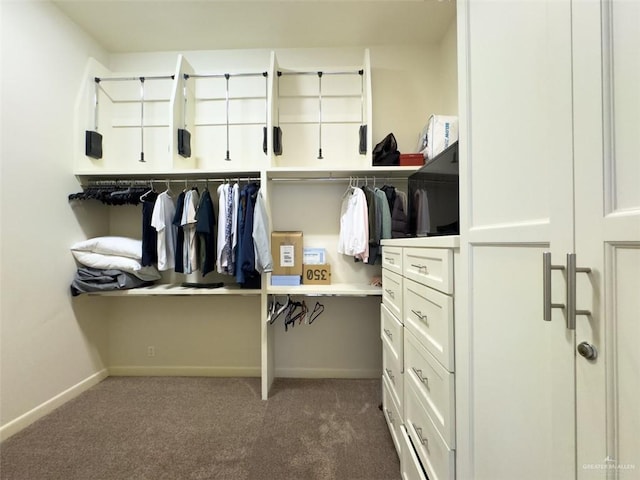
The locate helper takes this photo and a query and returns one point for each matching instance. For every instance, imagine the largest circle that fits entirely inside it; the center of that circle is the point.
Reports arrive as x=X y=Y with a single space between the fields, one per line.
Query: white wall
x=449 y=71
x=49 y=342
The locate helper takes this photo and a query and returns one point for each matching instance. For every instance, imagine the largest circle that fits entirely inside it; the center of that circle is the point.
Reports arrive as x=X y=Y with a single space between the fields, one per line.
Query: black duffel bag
x=386 y=152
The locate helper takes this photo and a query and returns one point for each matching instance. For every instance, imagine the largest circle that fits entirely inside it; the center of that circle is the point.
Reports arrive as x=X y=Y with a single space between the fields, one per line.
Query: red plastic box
x=411 y=159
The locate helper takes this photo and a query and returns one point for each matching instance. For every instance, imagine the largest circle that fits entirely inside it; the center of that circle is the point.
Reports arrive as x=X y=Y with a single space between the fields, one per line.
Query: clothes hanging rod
x=139 y=79
x=147 y=182
x=320 y=73
x=354 y=179
x=224 y=75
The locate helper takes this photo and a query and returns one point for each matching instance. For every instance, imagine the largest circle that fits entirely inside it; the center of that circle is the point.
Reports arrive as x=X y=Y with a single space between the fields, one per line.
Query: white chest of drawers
x=417 y=330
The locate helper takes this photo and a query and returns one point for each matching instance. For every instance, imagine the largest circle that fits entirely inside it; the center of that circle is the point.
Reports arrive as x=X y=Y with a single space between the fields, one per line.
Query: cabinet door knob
x=588 y=351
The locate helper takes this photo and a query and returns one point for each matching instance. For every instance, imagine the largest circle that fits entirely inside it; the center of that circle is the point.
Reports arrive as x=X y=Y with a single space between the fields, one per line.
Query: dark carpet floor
x=173 y=428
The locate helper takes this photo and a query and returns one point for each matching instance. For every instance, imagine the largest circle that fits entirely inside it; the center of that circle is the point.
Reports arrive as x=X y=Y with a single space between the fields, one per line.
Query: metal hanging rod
x=354 y=179
x=147 y=182
x=128 y=79
x=320 y=72
x=225 y=75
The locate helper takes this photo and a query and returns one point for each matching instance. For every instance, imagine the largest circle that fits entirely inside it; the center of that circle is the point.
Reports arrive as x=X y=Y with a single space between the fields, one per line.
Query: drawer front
x=392 y=334
x=428 y=314
x=432 y=267
x=435 y=386
x=392 y=415
x=409 y=464
x=392 y=292
x=437 y=459
x=393 y=374
x=392 y=259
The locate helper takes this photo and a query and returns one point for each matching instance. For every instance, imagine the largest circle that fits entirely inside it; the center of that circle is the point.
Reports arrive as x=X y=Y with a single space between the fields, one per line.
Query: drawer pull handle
x=388 y=333
x=418 y=373
x=391 y=293
x=420 y=316
x=390 y=374
x=390 y=415
x=421 y=267
x=418 y=430
x=392 y=261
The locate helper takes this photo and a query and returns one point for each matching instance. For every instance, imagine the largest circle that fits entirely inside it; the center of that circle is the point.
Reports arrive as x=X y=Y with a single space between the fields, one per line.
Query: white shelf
x=341 y=289
x=177 y=290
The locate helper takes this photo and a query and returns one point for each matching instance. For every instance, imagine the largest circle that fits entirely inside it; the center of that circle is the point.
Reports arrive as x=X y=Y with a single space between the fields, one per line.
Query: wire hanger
x=317 y=311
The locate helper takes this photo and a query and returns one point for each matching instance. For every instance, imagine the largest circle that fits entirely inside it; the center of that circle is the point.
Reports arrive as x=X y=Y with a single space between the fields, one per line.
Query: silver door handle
x=420 y=316
x=547 y=305
x=421 y=267
x=418 y=430
x=391 y=377
x=390 y=415
x=418 y=372
x=392 y=261
x=391 y=293
x=388 y=333
x=572 y=312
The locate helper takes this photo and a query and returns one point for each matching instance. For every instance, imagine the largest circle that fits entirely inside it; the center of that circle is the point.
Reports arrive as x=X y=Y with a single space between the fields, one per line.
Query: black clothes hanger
x=317 y=311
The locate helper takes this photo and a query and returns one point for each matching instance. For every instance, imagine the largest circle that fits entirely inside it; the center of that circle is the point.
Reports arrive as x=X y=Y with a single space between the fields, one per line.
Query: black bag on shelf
x=184 y=143
x=277 y=141
x=362 y=137
x=386 y=152
x=92 y=144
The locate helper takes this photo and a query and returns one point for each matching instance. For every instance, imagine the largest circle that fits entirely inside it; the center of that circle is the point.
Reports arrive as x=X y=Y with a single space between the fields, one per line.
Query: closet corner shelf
x=177 y=290
x=337 y=289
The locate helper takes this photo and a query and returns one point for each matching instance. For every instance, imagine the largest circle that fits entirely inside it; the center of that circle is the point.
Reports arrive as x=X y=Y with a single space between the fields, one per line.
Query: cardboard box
x=285 y=280
x=317 y=274
x=286 y=249
x=411 y=160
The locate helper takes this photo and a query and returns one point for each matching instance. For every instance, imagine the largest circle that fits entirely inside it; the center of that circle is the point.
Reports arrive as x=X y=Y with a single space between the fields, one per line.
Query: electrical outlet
x=151 y=351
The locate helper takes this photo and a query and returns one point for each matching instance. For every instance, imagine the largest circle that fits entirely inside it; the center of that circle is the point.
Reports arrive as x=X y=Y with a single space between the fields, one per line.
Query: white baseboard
x=23 y=421
x=180 y=371
x=327 y=373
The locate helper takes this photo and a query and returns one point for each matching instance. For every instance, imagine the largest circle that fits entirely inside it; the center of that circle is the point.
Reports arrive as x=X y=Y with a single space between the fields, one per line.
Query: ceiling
x=179 y=25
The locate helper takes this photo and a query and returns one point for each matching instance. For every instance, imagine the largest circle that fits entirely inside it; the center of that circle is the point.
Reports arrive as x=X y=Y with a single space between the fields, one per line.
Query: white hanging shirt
x=354 y=225
x=161 y=219
x=221 y=263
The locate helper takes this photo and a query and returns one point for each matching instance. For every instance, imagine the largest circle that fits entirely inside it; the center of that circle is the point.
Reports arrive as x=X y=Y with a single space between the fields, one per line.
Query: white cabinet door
x=514 y=372
x=607 y=190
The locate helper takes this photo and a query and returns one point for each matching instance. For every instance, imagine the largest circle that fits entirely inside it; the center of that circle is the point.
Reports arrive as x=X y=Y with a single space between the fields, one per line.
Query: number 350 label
x=317 y=274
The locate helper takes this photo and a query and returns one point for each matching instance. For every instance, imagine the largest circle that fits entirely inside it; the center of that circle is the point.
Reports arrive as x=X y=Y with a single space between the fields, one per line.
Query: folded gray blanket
x=88 y=279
